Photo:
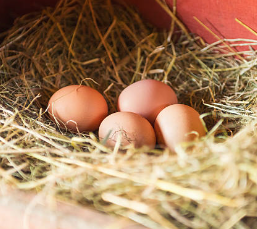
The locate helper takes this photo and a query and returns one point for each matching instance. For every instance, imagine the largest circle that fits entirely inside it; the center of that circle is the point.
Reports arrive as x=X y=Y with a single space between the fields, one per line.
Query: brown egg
x=78 y=108
x=133 y=129
x=147 y=98
x=176 y=124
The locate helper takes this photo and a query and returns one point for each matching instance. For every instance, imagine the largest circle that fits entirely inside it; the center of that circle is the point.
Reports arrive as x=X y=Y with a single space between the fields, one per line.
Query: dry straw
x=210 y=183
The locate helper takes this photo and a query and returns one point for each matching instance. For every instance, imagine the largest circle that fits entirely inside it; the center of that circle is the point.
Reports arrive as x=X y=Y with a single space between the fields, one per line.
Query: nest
x=92 y=42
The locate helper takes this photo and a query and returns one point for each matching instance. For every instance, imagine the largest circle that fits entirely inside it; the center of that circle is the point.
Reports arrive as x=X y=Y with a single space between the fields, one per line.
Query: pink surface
x=23 y=210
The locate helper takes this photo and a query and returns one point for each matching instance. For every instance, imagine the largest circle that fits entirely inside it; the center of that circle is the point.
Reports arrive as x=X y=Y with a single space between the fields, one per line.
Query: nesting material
x=209 y=183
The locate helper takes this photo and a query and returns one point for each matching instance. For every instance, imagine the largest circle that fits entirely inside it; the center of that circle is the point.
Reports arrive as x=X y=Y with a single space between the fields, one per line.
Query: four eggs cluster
x=148 y=112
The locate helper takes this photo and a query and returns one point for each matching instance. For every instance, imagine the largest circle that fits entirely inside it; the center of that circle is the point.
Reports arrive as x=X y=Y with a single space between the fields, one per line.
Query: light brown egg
x=176 y=124
x=78 y=108
x=133 y=129
x=147 y=98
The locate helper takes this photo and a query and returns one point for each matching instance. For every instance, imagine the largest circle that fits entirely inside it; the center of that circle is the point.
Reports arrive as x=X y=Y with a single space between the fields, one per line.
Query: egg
x=78 y=108
x=131 y=127
x=146 y=98
x=176 y=124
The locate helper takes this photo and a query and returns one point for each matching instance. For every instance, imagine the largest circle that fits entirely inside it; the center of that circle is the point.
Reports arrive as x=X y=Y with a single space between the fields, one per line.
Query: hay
x=210 y=185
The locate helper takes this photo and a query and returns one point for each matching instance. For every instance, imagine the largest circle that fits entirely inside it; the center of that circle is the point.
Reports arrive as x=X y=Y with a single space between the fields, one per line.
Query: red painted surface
x=217 y=15
x=220 y=17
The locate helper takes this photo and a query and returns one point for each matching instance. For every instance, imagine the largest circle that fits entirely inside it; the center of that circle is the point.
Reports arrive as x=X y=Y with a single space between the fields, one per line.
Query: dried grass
x=210 y=185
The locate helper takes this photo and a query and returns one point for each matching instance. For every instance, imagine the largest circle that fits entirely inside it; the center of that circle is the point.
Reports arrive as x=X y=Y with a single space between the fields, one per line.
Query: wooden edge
x=26 y=210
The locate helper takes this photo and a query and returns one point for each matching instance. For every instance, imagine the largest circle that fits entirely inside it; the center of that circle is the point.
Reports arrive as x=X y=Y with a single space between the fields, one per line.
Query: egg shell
x=176 y=124
x=133 y=128
x=146 y=98
x=78 y=108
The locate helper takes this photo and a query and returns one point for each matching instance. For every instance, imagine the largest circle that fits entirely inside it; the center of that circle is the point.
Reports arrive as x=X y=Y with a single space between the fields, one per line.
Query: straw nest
x=210 y=185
